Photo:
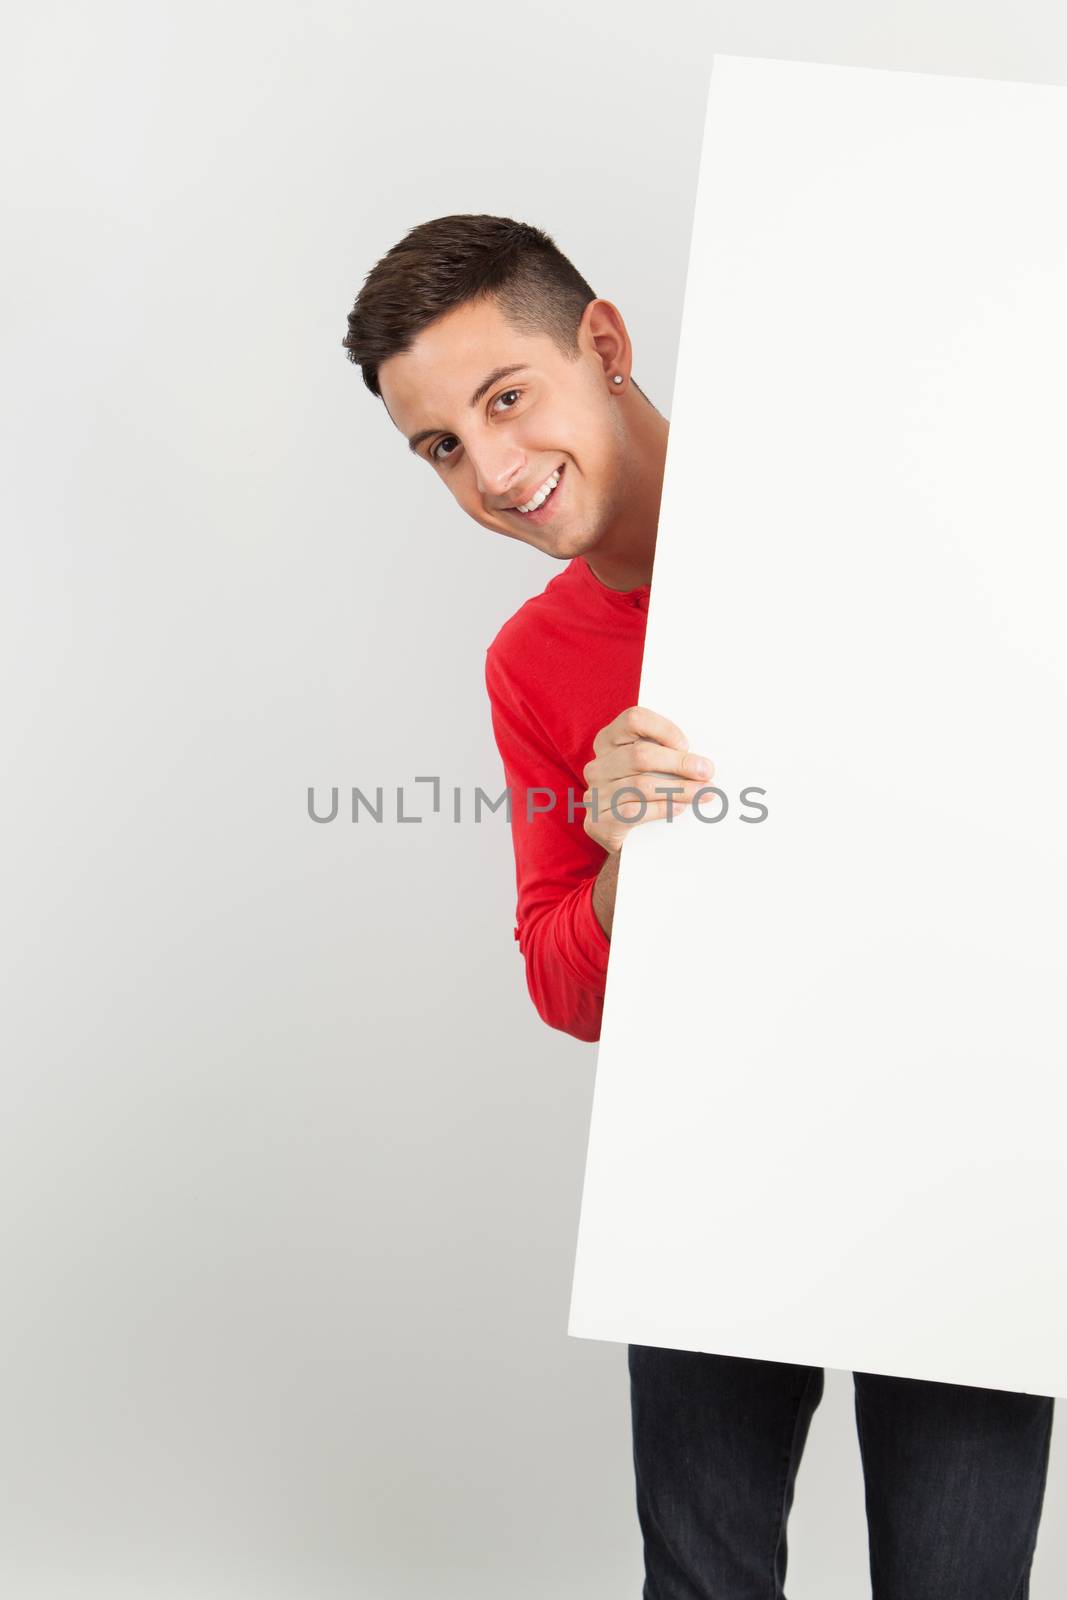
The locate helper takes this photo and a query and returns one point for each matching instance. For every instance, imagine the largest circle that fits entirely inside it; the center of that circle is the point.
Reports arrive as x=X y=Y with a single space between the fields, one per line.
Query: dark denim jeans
x=954 y=1478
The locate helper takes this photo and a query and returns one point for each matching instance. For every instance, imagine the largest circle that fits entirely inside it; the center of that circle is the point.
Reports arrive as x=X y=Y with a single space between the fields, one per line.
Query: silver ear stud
x=617 y=378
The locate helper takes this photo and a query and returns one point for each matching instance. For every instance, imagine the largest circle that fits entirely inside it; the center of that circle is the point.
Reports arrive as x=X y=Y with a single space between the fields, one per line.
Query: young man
x=511 y=380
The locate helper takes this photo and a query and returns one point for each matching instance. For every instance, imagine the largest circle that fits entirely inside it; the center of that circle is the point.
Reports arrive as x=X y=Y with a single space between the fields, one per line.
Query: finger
x=644 y=756
x=638 y=722
x=631 y=815
x=651 y=788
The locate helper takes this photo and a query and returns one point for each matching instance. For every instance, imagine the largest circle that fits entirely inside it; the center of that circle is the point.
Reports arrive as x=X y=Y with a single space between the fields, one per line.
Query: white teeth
x=542 y=494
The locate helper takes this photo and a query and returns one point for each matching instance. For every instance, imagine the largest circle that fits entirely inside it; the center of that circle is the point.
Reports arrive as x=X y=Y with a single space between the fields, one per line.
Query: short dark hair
x=442 y=264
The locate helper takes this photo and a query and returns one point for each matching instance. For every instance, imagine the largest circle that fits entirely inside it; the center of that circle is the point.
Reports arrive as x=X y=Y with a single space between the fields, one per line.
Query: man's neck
x=622 y=558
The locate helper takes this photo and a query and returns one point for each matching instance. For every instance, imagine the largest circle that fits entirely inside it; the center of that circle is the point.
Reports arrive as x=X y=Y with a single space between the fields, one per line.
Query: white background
x=290 y=1167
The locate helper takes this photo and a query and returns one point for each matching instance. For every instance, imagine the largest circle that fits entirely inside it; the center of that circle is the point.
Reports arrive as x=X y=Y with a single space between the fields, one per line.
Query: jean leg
x=717 y=1441
x=954 y=1481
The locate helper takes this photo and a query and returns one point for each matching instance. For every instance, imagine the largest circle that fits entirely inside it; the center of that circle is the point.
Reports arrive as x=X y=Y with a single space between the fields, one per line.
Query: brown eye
x=438 y=452
x=510 y=395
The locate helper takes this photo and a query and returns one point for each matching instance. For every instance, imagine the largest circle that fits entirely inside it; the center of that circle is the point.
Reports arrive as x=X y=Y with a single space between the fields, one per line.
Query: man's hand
x=640 y=751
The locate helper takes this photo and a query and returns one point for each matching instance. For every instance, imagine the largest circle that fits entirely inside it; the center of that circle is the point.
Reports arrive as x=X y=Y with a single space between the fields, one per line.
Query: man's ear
x=603 y=332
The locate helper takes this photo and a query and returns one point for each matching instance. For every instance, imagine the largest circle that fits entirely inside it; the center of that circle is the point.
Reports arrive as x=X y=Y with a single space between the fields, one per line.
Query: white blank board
x=828 y=1118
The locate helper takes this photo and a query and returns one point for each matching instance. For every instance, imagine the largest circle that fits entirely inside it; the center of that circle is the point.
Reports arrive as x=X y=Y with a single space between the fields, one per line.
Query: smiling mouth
x=542 y=496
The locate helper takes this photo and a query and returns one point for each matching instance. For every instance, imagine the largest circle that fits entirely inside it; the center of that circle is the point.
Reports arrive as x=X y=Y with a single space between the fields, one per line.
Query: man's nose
x=498 y=466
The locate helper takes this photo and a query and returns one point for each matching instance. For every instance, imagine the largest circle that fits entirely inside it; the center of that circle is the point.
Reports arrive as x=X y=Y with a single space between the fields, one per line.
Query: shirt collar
x=623 y=599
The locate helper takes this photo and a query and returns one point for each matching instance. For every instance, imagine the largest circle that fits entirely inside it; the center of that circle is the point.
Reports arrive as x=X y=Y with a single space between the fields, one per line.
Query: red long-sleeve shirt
x=557 y=672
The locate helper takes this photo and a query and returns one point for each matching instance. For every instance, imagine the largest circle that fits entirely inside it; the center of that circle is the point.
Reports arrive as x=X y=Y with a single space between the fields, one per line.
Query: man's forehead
x=451 y=358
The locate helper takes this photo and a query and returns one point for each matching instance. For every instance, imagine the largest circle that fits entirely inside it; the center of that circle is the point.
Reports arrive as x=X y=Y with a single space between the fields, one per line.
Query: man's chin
x=559 y=544
x=570 y=544
x=564 y=539
x=558 y=540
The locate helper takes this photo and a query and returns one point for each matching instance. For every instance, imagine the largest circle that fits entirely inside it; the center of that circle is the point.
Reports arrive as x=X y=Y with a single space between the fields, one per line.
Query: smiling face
x=531 y=440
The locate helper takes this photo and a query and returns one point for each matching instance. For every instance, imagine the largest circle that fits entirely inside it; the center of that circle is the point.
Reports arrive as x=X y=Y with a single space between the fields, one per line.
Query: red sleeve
x=562 y=943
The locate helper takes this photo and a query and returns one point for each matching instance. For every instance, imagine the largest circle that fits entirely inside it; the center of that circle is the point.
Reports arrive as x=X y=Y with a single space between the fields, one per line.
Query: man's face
x=503 y=416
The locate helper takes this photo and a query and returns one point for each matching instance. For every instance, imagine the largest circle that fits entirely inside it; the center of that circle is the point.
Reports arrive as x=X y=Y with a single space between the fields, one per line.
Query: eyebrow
x=486 y=384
